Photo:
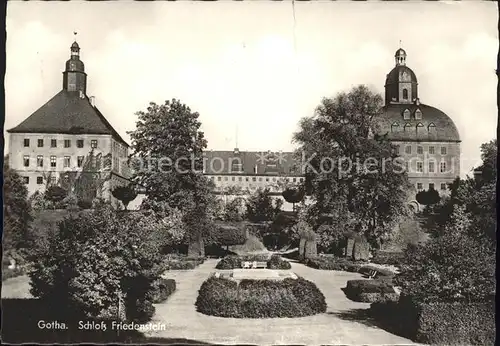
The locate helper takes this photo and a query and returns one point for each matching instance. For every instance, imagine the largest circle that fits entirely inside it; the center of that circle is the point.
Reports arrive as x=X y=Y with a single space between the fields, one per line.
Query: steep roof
x=220 y=162
x=391 y=122
x=69 y=113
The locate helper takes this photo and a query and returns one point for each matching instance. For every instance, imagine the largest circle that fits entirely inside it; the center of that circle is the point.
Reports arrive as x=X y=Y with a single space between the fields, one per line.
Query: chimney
x=92 y=101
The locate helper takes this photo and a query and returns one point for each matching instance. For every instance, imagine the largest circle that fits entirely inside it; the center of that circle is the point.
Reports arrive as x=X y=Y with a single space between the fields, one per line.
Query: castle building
x=425 y=137
x=58 y=138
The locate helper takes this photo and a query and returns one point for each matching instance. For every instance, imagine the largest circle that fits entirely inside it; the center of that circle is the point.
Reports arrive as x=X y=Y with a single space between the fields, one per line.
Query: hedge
x=333 y=263
x=260 y=298
x=227 y=235
x=175 y=262
x=276 y=262
x=443 y=323
x=370 y=291
x=161 y=289
x=388 y=257
x=234 y=261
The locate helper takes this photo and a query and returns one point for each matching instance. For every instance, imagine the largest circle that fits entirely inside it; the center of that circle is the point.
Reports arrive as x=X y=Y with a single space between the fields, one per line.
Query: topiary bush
x=161 y=289
x=99 y=264
x=370 y=291
x=276 y=262
x=260 y=298
x=229 y=262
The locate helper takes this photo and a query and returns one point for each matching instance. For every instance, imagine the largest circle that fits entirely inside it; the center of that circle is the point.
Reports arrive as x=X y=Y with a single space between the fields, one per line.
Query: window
x=267 y=179
x=431 y=127
x=406 y=114
x=407 y=166
x=247 y=179
x=420 y=167
x=260 y=178
x=26 y=161
x=26 y=180
x=240 y=178
x=225 y=178
x=233 y=179
x=443 y=186
x=40 y=143
x=26 y=142
x=274 y=179
x=420 y=150
x=442 y=167
x=431 y=150
x=431 y=186
x=67 y=143
x=443 y=150
x=396 y=149
x=52 y=180
x=431 y=167
x=394 y=127
x=79 y=143
x=39 y=161
x=53 y=143
x=405 y=94
x=419 y=186
x=420 y=126
x=408 y=149
x=294 y=180
x=39 y=180
x=79 y=161
x=53 y=162
x=219 y=178
x=93 y=143
x=254 y=179
x=418 y=114
x=301 y=180
x=67 y=161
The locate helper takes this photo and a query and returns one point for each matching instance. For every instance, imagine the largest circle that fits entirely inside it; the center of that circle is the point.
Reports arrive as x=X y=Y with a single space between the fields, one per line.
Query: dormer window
x=418 y=114
x=420 y=126
x=406 y=114
x=407 y=127
x=431 y=127
x=395 y=127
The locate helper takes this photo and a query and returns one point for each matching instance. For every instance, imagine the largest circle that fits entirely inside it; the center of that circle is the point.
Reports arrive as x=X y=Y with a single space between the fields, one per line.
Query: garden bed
x=369 y=291
x=235 y=262
x=334 y=263
x=179 y=262
x=260 y=298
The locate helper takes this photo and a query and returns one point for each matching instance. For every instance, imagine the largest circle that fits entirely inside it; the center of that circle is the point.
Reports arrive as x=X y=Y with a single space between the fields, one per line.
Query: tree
x=55 y=194
x=293 y=195
x=351 y=171
x=125 y=194
x=16 y=210
x=428 y=197
x=260 y=206
x=167 y=160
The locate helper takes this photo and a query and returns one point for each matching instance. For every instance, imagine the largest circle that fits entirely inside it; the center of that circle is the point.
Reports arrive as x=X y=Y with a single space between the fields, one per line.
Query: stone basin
x=255 y=274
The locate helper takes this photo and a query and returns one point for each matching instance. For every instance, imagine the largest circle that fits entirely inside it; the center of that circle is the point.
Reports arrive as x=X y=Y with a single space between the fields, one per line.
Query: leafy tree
x=351 y=171
x=125 y=194
x=16 y=210
x=428 y=197
x=55 y=194
x=294 y=195
x=169 y=145
x=260 y=206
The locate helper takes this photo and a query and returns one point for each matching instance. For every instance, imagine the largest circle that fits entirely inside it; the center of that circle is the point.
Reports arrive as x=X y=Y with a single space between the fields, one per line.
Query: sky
x=253 y=69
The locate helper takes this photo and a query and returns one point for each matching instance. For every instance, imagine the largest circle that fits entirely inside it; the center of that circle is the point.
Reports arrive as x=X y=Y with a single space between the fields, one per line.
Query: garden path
x=345 y=321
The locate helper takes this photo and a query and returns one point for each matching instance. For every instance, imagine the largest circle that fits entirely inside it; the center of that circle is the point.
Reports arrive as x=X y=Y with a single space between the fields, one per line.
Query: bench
x=253 y=265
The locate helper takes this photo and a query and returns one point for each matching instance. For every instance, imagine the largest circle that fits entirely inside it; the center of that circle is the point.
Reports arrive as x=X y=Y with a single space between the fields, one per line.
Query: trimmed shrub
x=370 y=291
x=276 y=262
x=452 y=323
x=260 y=298
x=388 y=257
x=229 y=262
x=333 y=263
x=161 y=289
x=227 y=235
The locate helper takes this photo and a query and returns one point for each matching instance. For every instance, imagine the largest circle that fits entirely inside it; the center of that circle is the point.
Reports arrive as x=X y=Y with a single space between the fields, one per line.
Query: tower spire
x=74 y=76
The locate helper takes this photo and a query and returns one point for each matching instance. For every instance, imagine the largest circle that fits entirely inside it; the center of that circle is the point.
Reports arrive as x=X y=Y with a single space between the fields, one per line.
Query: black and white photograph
x=250 y=172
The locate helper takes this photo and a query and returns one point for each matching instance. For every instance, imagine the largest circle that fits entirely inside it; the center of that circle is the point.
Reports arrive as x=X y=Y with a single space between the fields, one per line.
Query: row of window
x=226 y=178
x=53 y=161
x=420 y=150
x=39 y=180
x=431 y=167
x=407 y=127
x=67 y=143
x=420 y=186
